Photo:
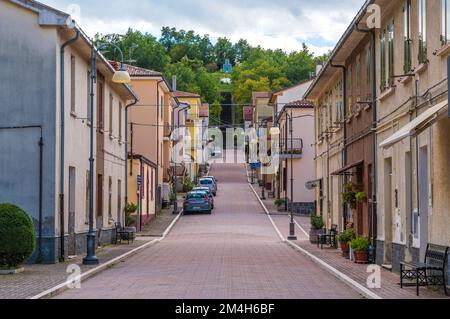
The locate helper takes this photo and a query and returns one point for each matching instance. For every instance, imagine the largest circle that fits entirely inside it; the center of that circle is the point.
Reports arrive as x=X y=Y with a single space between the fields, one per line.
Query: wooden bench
x=432 y=272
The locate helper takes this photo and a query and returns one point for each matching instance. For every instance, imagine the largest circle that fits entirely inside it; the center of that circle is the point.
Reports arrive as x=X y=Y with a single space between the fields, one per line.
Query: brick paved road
x=234 y=253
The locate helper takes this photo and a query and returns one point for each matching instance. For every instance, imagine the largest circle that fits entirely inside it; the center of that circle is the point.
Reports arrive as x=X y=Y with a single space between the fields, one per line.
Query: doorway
x=424 y=196
x=388 y=211
x=72 y=212
x=99 y=218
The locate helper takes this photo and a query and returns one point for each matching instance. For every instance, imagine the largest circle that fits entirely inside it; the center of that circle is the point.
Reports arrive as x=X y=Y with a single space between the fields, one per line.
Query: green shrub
x=360 y=197
x=279 y=202
x=317 y=222
x=131 y=208
x=17 y=237
x=360 y=244
x=188 y=185
x=346 y=236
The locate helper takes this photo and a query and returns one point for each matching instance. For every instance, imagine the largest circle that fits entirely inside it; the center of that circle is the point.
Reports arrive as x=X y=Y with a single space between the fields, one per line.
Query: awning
x=347 y=168
x=416 y=125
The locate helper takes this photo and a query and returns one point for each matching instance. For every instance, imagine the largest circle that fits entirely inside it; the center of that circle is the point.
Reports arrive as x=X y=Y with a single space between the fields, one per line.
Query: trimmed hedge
x=17 y=237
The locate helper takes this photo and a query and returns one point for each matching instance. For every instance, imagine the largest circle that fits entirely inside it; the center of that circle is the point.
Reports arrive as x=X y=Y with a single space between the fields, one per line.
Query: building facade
x=48 y=79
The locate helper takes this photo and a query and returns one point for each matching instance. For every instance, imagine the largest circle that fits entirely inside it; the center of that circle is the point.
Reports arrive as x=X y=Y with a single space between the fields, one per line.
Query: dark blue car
x=197 y=202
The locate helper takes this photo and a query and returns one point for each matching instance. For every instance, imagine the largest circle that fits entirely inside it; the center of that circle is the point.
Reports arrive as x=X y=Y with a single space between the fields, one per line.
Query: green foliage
x=188 y=185
x=279 y=202
x=360 y=197
x=360 y=244
x=346 y=236
x=349 y=196
x=17 y=236
x=131 y=208
x=317 y=222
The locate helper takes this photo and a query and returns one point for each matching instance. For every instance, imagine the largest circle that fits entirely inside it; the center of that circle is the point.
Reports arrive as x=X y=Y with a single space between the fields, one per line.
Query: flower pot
x=345 y=247
x=361 y=257
x=313 y=235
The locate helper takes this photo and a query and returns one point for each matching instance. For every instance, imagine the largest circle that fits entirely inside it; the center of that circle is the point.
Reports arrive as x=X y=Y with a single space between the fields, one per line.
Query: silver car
x=210 y=183
x=207 y=190
x=197 y=202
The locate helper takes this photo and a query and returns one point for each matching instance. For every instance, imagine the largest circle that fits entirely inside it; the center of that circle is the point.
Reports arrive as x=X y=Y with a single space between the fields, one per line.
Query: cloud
x=269 y=23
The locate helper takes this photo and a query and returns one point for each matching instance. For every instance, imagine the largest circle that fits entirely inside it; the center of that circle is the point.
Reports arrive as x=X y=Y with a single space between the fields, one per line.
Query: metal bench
x=328 y=238
x=432 y=272
x=124 y=233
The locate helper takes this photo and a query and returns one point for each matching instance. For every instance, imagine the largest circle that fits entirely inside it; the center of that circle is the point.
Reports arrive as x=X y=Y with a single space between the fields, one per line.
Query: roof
x=135 y=70
x=293 y=86
x=185 y=94
x=300 y=104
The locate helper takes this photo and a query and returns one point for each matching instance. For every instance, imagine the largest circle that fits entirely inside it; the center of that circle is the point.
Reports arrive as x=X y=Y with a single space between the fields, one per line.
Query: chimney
x=174 y=83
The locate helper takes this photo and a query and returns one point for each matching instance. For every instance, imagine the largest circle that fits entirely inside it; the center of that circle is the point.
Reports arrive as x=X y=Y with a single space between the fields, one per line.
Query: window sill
x=406 y=79
x=73 y=114
x=386 y=93
x=111 y=137
x=421 y=68
x=442 y=51
x=320 y=142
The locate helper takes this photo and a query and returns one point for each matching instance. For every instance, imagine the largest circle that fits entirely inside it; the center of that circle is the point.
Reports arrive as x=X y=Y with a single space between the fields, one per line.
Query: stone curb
x=65 y=286
x=343 y=277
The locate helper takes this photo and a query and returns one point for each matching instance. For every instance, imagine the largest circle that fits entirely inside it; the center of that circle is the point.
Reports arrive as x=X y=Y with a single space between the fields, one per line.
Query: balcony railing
x=291 y=146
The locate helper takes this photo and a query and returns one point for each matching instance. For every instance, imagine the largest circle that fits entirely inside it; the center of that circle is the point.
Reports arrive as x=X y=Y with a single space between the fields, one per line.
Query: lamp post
x=276 y=131
x=121 y=76
x=174 y=182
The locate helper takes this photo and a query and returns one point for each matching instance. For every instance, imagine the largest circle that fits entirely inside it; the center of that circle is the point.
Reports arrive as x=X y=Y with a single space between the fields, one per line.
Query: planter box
x=313 y=235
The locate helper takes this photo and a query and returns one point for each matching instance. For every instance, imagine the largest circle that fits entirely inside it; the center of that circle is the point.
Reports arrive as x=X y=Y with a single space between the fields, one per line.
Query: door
x=388 y=211
x=72 y=212
x=99 y=219
x=424 y=196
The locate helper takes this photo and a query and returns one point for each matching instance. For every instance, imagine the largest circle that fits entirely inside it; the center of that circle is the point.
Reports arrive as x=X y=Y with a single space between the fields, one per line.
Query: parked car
x=197 y=202
x=208 y=191
x=213 y=178
x=208 y=182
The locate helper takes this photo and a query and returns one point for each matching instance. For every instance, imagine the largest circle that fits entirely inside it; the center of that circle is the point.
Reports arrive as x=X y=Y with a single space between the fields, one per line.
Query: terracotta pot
x=361 y=257
x=345 y=247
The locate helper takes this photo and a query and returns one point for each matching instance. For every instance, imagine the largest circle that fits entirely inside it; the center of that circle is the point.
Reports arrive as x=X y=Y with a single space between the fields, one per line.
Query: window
x=88 y=94
x=72 y=84
x=390 y=29
x=120 y=121
x=422 y=5
x=369 y=72
x=162 y=107
x=349 y=89
x=119 y=198
x=87 y=195
x=152 y=186
x=407 y=36
x=383 y=60
x=110 y=197
x=358 y=75
x=111 y=103
x=148 y=189
x=445 y=22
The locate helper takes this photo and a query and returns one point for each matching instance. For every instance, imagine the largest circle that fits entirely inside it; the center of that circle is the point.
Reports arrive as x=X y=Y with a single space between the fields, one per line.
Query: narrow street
x=234 y=253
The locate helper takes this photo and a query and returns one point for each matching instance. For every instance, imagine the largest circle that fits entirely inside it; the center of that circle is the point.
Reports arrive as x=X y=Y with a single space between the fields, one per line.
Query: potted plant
x=344 y=240
x=317 y=225
x=360 y=197
x=130 y=210
x=360 y=247
x=188 y=185
x=17 y=238
x=280 y=202
x=349 y=196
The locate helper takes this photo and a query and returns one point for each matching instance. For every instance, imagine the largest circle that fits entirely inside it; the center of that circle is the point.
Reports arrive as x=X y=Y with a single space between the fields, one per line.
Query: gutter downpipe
x=126 y=153
x=344 y=152
x=373 y=229
x=157 y=144
x=62 y=146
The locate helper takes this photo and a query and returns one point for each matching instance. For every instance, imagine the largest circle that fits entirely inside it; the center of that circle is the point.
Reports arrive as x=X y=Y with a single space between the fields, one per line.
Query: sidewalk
x=39 y=278
x=390 y=282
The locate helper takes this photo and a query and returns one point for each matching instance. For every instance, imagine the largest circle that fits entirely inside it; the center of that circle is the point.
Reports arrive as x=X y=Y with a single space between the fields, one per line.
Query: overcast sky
x=272 y=24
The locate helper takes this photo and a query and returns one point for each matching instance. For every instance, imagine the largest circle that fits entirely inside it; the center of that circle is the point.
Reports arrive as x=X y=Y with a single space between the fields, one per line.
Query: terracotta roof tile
x=300 y=104
x=135 y=70
x=185 y=94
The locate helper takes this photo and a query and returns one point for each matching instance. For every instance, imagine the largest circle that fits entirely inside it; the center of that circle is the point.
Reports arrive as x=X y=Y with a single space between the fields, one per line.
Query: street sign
x=139 y=180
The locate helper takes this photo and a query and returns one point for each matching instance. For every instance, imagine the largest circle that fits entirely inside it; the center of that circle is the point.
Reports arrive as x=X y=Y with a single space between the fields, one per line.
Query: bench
x=328 y=238
x=125 y=233
x=432 y=272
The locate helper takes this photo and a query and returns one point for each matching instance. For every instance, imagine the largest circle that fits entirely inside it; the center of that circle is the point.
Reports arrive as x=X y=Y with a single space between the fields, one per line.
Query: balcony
x=291 y=148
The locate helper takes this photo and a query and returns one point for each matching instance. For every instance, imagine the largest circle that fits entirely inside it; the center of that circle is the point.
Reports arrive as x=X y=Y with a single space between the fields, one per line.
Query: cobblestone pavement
x=233 y=253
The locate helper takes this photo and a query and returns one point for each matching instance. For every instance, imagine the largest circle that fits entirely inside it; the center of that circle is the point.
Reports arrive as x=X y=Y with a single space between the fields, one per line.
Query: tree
x=300 y=65
x=242 y=50
x=224 y=50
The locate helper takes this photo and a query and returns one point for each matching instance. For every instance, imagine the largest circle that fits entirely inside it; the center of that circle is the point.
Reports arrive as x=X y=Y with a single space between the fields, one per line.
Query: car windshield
x=196 y=196
x=206 y=182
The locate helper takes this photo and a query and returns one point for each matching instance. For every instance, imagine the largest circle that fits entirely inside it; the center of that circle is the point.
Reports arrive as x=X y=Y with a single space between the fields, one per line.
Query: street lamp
x=122 y=77
x=174 y=182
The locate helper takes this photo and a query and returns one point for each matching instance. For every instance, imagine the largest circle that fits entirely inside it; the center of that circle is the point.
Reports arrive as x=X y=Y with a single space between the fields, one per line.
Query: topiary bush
x=17 y=237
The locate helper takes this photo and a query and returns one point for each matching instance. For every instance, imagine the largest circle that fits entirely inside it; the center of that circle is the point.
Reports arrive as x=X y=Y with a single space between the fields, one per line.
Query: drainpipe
x=126 y=150
x=344 y=152
x=373 y=229
x=62 y=146
x=157 y=139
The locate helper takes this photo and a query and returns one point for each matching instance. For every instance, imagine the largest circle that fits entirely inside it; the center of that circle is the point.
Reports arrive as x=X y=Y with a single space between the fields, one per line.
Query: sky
x=273 y=24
